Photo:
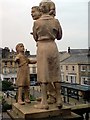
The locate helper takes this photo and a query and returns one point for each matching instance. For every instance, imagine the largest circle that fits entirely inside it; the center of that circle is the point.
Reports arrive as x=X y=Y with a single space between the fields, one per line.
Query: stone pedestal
x=28 y=112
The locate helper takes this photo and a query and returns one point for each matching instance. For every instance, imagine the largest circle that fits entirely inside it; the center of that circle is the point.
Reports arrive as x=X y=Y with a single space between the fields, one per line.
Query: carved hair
x=17 y=47
x=44 y=7
x=36 y=7
x=50 y=6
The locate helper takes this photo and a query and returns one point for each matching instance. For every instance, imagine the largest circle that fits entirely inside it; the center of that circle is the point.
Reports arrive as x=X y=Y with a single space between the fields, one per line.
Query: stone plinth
x=28 y=112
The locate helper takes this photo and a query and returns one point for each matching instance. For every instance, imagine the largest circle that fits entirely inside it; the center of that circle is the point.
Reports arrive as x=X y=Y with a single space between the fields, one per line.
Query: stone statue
x=23 y=78
x=45 y=30
x=36 y=14
x=50 y=87
x=51 y=5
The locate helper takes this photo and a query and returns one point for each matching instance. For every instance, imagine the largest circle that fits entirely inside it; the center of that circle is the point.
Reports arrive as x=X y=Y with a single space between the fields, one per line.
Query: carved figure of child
x=23 y=78
x=51 y=5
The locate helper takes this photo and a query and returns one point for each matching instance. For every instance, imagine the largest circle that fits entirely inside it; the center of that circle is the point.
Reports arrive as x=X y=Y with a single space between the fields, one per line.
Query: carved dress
x=45 y=30
x=23 y=78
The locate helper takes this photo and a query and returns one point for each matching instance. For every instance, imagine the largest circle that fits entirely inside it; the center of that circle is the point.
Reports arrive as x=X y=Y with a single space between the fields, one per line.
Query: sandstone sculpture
x=45 y=30
x=23 y=78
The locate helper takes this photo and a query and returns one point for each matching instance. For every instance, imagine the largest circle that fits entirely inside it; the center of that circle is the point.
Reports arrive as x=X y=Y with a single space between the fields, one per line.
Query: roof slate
x=77 y=58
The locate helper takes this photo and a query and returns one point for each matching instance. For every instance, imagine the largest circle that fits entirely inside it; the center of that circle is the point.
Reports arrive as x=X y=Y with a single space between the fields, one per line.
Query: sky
x=16 y=23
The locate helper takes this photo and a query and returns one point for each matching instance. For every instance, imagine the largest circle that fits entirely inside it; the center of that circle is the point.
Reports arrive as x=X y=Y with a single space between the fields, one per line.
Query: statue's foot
x=41 y=106
x=27 y=101
x=39 y=99
x=51 y=100
x=21 y=102
x=59 y=105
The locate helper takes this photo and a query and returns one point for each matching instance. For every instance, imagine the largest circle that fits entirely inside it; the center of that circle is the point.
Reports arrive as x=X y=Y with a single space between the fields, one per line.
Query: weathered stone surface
x=28 y=111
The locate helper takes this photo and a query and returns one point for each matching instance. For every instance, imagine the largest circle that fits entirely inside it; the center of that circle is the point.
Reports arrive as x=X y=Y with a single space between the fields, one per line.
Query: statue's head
x=51 y=9
x=20 y=47
x=44 y=7
x=46 y=1
x=35 y=12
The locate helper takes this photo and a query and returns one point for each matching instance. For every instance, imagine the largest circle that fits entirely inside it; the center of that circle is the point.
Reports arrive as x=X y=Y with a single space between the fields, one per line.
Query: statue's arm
x=35 y=32
x=59 y=33
x=17 y=59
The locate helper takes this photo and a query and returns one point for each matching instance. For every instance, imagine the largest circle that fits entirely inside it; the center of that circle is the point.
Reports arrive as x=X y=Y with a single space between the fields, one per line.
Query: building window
x=11 y=62
x=83 y=67
x=5 y=63
x=66 y=67
x=84 y=80
x=34 y=69
x=73 y=68
x=71 y=79
x=4 y=71
x=62 y=77
x=66 y=78
x=61 y=68
x=10 y=70
x=15 y=70
x=88 y=66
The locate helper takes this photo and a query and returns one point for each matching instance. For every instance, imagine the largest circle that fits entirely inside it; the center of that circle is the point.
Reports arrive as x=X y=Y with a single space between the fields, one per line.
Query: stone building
x=75 y=66
x=8 y=66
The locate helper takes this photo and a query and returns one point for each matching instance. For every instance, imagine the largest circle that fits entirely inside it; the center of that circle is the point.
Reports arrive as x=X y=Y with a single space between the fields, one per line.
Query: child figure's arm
x=17 y=59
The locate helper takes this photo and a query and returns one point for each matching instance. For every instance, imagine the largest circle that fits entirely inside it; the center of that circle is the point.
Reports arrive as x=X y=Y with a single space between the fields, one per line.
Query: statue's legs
x=43 y=104
x=27 y=96
x=51 y=93
x=58 y=95
x=20 y=90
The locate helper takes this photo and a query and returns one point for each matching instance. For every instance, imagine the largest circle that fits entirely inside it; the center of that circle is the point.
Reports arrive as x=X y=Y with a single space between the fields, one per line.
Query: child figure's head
x=20 y=48
x=51 y=5
x=35 y=12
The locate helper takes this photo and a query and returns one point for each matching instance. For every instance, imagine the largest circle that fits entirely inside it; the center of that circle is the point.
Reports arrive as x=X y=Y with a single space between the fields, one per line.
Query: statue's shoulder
x=19 y=55
x=56 y=20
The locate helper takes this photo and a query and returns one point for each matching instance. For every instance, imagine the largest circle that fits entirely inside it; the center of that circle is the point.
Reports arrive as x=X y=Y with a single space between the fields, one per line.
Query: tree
x=5 y=52
x=7 y=86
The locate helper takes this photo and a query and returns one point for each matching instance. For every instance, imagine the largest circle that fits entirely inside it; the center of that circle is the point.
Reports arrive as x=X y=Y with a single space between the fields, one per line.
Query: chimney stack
x=89 y=51
x=68 y=49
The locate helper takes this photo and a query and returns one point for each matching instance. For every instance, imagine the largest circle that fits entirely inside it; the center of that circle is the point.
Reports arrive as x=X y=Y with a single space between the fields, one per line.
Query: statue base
x=28 y=112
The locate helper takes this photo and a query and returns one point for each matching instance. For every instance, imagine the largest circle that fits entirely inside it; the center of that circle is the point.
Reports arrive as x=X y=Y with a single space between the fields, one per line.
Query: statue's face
x=21 y=48
x=35 y=14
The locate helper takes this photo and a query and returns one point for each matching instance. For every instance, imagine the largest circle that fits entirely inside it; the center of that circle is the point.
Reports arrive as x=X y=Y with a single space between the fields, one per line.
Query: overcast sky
x=16 y=23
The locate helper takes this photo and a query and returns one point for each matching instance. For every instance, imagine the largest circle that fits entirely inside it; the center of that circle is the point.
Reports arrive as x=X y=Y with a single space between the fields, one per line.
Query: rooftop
x=77 y=58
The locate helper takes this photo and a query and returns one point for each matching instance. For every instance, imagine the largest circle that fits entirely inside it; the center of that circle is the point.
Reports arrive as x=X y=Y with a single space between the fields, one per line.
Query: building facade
x=75 y=68
x=74 y=64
